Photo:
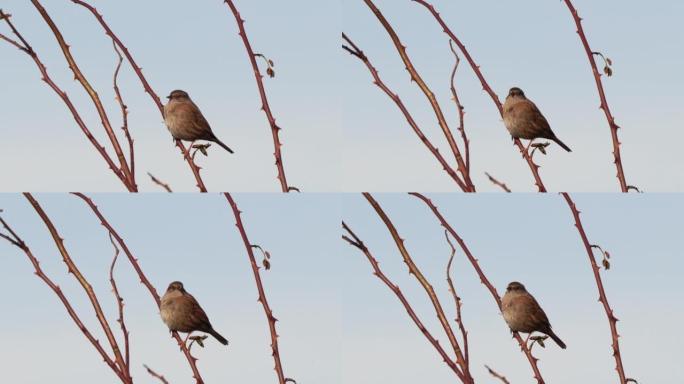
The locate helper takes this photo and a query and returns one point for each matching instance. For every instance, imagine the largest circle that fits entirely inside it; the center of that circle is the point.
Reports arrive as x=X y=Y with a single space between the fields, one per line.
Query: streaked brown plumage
x=186 y=122
x=182 y=313
x=523 y=314
x=524 y=120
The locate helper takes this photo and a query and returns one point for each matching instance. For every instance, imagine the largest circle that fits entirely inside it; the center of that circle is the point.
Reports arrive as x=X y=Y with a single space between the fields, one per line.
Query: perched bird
x=182 y=313
x=523 y=314
x=524 y=120
x=186 y=122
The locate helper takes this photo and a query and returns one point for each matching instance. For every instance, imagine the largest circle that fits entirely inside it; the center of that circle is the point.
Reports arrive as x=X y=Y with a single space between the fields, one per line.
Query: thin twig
x=356 y=242
x=612 y=320
x=124 y=111
x=459 y=107
x=427 y=287
x=498 y=183
x=497 y=375
x=120 y=306
x=260 y=288
x=457 y=299
x=160 y=183
x=155 y=374
x=483 y=279
x=358 y=53
x=275 y=129
x=602 y=96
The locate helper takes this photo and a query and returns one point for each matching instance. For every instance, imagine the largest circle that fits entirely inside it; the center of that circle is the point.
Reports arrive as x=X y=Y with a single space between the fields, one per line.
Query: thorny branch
x=497 y=375
x=356 y=242
x=612 y=320
x=260 y=288
x=120 y=307
x=275 y=129
x=156 y=375
x=457 y=299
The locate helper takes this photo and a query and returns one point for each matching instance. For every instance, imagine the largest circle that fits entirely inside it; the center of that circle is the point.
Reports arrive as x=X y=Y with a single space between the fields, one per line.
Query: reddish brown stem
x=260 y=288
x=534 y=168
x=130 y=182
x=497 y=375
x=275 y=129
x=124 y=111
x=120 y=306
x=498 y=183
x=88 y=289
x=457 y=300
x=192 y=361
x=160 y=183
x=14 y=239
x=612 y=320
x=356 y=242
x=459 y=108
x=27 y=49
x=415 y=76
x=355 y=51
x=483 y=278
x=429 y=290
x=155 y=374
x=602 y=96
x=146 y=85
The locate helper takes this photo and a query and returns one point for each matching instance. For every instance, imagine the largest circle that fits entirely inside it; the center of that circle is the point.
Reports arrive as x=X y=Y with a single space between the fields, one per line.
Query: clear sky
x=532 y=45
x=195 y=48
x=184 y=237
x=531 y=239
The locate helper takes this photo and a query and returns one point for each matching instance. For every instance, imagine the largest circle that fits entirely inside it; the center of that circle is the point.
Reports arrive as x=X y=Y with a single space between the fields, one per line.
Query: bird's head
x=516 y=92
x=515 y=287
x=176 y=286
x=178 y=95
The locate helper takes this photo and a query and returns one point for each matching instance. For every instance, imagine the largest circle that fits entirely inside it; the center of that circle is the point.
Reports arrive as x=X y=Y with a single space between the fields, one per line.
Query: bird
x=182 y=313
x=185 y=120
x=523 y=119
x=523 y=314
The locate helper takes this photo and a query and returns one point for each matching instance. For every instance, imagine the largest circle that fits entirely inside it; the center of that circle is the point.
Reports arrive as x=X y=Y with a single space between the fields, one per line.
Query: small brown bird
x=523 y=314
x=182 y=313
x=524 y=120
x=186 y=122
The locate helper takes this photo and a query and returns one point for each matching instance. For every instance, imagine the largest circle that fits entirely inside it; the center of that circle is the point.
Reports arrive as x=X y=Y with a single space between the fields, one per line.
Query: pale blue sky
x=195 y=48
x=184 y=237
x=531 y=239
x=533 y=45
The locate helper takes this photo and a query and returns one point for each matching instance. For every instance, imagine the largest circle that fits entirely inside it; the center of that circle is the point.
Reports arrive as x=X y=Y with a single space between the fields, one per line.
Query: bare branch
x=159 y=182
x=498 y=183
x=497 y=375
x=155 y=374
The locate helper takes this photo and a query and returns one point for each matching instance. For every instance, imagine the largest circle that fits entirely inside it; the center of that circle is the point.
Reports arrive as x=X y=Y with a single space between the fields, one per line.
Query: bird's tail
x=557 y=140
x=219 y=142
x=556 y=339
x=218 y=337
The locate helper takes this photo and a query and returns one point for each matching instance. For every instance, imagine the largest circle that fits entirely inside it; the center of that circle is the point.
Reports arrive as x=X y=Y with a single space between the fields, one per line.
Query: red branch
x=124 y=111
x=483 y=278
x=534 y=168
x=459 y=108
x=429 y=290
x=27 y=49
x=612 y=320
x=143 y=279
x=14 y=239
x=415 y=76
x=262 y=294
x=120 y=306
x=92 y=297
x=156 y=375
x=497 y=375
x=148 y=89
x=498 y=183
x=275 y=129
x=130 y=181
x=457 y=299
x=356 y=242
x=355 y=51
x=602 y=95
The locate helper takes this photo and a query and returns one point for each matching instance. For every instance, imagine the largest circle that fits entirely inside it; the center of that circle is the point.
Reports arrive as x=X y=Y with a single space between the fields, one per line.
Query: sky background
x=531 y=239
x=192 y=48
x=184 y=237
x=532 y=45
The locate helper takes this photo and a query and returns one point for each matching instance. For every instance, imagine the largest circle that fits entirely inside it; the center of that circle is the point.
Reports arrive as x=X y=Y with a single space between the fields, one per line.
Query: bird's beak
x=168 y=97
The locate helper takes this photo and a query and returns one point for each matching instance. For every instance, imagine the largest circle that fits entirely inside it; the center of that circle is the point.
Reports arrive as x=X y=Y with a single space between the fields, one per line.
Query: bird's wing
x=198 y=316
x=200 y=123
x=536 y=313
x=530 y=113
